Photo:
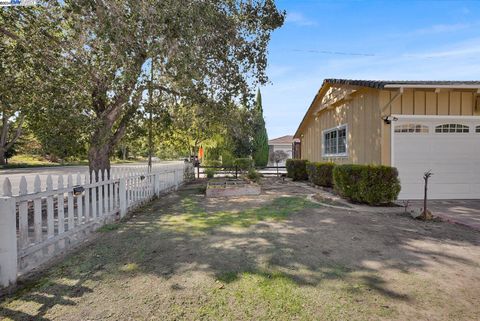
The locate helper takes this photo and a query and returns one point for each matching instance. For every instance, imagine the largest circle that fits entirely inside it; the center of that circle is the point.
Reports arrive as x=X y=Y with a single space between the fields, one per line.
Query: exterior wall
x=423 y=102
x=362 y=116
x=369 y=137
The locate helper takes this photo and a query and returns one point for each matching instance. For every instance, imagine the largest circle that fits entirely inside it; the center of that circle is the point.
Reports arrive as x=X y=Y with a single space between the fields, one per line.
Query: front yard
x=271 y=257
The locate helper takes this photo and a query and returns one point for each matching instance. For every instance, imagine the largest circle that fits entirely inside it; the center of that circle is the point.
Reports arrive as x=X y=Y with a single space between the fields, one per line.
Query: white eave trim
x=433 y=86
x=404 y=116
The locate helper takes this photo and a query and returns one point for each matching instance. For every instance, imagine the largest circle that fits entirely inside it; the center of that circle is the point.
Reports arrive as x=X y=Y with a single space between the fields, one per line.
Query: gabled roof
x=284 y=140
x=388 y=84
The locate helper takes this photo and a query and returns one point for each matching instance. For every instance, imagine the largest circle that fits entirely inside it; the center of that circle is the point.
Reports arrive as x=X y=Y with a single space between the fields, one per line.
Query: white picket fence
x=39 y=225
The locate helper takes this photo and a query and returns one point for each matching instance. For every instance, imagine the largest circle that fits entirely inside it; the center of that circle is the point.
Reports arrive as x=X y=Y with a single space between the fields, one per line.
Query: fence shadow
x=181 y=233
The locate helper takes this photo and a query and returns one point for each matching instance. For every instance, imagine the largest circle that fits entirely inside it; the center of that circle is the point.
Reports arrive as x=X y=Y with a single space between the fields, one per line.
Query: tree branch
x=9 y=34
x=18 y=132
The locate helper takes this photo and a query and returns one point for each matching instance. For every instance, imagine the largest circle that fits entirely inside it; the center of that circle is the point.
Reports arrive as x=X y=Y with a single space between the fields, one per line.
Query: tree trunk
x=99 y=152
x=124 y=152
x=3 y=160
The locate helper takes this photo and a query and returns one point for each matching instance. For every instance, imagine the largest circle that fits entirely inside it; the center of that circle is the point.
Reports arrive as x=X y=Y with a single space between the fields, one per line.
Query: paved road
x=14 y=175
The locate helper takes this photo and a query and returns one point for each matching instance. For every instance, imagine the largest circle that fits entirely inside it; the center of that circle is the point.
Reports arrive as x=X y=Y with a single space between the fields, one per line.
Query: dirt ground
x=275 y=256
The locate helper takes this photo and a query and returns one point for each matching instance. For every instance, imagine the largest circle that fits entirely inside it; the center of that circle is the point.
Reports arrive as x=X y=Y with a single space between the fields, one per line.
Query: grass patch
x=255 y=296
x=109 y=227
x=273 y=295
x=191 y=217
x=129 y=267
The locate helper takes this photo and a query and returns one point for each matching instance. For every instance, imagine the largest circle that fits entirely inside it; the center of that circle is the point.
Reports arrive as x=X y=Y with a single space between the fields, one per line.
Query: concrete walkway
x=463 y=212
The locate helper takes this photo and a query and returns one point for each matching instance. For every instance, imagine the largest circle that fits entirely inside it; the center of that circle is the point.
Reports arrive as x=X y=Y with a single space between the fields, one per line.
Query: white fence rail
x=38 y=225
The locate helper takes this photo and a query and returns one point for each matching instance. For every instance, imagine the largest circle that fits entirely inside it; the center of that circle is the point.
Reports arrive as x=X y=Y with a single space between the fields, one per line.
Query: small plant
x=253 y=175
x=426 y=214
x=209 y=172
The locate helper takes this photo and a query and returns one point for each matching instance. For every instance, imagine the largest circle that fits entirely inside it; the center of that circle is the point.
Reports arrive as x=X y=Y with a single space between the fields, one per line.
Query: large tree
x=27 y=37
x=260 y=137
x=215 y=48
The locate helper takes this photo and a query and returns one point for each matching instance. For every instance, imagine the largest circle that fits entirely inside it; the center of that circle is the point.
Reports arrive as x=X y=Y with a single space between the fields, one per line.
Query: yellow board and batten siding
x=361 y=115
x=368 y=135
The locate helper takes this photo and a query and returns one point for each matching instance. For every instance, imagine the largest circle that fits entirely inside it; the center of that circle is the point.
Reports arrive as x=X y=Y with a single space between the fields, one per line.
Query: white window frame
x=464 y=126
x=338 y=128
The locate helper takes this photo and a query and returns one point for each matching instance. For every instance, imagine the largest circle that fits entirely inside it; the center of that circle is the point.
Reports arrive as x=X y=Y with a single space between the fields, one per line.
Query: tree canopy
x=99 y=55
x=260 y=136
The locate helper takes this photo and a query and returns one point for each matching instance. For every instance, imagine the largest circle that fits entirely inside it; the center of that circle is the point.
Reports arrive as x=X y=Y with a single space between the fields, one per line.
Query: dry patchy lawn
x=271 y=257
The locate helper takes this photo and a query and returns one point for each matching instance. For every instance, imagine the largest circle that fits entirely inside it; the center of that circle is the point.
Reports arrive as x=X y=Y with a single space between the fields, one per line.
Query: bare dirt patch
x=275 y=256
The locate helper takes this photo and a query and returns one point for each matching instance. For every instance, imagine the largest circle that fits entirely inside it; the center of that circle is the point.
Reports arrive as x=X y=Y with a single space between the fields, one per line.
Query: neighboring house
x=281 y=143
x=413 y=125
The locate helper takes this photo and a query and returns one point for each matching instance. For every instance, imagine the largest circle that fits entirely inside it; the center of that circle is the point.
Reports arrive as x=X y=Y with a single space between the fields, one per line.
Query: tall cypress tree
x=260 y=137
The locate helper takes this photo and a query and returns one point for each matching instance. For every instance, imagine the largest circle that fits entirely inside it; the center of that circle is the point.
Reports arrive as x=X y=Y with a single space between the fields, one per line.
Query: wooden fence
x=36 y=226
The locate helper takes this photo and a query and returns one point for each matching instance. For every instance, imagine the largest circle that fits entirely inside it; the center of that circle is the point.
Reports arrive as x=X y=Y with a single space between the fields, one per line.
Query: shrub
x=210 y=172
x=321 y=173
x=212 y=162
x=297 y=169
x=243 y=164
x=253 y=175
x=371 y=184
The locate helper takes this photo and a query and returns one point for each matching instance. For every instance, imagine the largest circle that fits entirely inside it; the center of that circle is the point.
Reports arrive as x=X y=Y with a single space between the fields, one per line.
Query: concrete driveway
x=463 y=212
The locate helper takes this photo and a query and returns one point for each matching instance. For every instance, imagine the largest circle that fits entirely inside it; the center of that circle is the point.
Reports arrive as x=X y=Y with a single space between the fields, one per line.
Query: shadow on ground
x=161 y=259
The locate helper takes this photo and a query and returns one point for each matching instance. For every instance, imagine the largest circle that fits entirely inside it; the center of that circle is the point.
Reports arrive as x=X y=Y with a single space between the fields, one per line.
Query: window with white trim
x=335 y=141
x=452 y=128
x=411 y=128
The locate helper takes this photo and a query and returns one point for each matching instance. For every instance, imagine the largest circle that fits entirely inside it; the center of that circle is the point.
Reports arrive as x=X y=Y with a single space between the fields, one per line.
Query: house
x=415 y=126
x=283 y=143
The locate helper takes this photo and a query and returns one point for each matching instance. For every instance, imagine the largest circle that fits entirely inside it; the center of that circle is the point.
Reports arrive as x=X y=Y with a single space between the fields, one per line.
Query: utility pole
x=150 y=120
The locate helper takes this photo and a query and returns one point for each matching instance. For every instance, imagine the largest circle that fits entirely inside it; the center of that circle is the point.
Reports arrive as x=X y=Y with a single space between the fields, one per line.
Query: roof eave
x=432 y=86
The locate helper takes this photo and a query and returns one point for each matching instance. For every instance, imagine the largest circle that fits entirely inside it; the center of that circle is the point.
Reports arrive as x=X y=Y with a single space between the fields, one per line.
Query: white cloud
x=299 y=19
x=441 y=28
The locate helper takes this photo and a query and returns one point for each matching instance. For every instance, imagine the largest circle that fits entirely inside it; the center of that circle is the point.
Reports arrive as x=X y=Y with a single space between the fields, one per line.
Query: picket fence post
x=8 y=242
x=156 y=183
x=122 y=193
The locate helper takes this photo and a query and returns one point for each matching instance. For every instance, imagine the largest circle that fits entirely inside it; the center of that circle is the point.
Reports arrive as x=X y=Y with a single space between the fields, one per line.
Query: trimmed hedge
x=321 y=173
x=371 y=184
x=297 y=169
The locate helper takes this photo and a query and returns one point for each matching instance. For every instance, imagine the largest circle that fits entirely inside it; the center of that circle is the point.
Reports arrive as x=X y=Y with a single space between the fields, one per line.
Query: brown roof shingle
x=284 y=140
x=382 y=83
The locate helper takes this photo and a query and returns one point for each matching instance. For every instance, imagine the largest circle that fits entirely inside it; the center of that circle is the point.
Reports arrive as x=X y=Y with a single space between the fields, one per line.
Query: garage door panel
x=454 y=159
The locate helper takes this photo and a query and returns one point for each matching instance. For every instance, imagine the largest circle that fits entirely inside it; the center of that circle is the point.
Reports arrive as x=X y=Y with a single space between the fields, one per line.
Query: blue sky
x=394 y=40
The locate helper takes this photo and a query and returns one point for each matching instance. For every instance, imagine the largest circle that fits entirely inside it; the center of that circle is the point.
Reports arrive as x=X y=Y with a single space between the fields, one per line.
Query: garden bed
x=231 y=187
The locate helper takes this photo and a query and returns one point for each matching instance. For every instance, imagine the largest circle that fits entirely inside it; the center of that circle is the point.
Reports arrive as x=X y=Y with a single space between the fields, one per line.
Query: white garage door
x=449 y=147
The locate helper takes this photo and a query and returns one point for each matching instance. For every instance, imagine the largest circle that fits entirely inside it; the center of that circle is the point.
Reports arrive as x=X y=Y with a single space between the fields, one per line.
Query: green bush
x=210 y=172
x=212 y=162
x=370 y=184
x=321 y=173
x=253 y=175
x=243 y=164
x=297 y=169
